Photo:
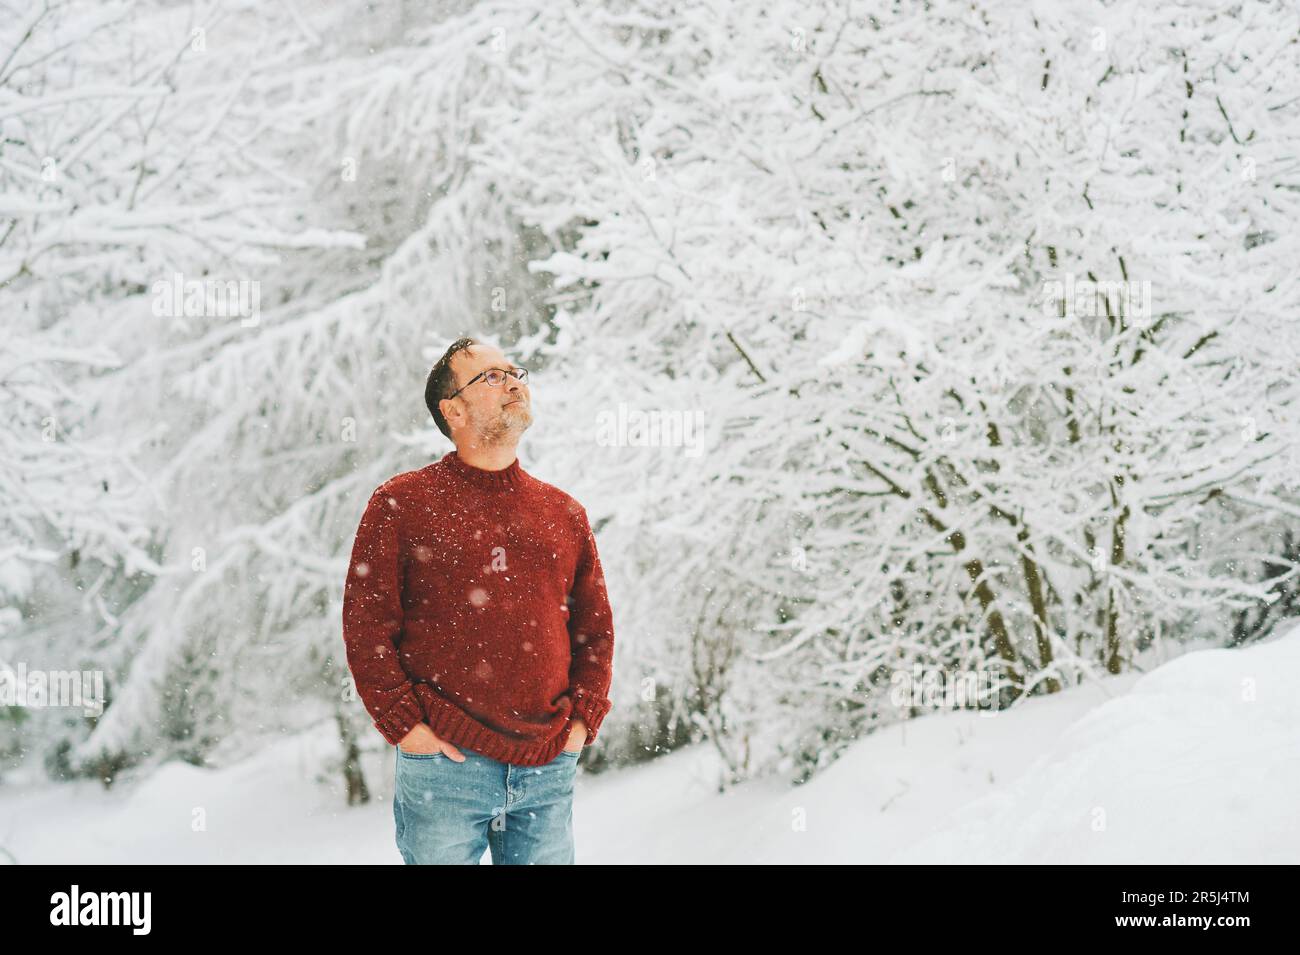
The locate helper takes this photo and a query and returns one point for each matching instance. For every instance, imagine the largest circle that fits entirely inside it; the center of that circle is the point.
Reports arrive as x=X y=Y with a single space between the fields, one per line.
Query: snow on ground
x=1197 y=761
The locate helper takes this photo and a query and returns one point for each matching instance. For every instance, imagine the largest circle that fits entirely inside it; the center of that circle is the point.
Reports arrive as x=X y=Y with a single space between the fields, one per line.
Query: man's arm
x=372 y=621
x=591 y=634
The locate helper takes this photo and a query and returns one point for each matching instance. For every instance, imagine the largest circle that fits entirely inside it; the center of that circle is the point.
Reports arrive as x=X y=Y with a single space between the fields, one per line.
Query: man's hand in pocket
x=422 y=741
x=577 y=734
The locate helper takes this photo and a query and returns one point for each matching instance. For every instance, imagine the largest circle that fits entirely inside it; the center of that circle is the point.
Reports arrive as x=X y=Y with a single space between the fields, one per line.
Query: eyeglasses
x=494 y=377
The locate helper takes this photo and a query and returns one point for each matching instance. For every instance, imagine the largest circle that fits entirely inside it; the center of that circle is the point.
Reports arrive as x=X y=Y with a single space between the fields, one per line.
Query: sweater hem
x=452 y=724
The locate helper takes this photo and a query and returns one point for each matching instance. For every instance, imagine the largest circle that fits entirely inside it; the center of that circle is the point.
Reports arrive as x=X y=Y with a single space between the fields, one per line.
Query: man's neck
x=494 y=457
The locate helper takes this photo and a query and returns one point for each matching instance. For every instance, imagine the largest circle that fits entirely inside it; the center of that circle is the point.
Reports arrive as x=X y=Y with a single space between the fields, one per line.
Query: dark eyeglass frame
x=521 y=374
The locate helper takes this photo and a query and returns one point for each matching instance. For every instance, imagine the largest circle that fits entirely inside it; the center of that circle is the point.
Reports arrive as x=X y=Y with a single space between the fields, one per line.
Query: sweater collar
x=507 y=477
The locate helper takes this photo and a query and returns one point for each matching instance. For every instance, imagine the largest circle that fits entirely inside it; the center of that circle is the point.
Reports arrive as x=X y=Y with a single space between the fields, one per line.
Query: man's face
x=492 y=414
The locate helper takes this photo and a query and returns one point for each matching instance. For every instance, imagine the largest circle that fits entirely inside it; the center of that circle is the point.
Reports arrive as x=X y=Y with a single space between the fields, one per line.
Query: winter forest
x=885 y=344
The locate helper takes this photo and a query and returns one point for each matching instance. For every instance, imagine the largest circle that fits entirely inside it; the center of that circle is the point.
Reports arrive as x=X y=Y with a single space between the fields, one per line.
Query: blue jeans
x=449 y=813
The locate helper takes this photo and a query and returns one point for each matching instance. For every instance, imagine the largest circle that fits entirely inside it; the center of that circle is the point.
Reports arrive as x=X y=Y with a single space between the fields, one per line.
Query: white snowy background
x=827 y=233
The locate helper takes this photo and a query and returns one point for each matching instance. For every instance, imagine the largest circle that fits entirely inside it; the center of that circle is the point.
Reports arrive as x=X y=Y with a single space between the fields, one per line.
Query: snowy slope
x=1198 y=763
x=1183 y=766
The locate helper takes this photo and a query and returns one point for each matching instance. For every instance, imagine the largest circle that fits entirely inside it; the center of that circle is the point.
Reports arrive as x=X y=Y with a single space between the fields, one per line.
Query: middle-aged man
x=478 y=630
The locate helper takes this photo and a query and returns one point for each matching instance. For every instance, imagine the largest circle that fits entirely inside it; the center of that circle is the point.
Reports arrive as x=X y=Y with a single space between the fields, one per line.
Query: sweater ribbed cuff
x=401 y=718
x=592 y=709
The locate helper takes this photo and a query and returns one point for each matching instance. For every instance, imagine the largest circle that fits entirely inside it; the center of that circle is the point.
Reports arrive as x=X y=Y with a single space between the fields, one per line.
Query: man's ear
x=449 y=410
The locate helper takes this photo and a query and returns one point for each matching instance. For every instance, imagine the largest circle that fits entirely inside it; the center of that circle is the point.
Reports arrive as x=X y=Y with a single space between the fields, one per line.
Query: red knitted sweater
x=475 y=602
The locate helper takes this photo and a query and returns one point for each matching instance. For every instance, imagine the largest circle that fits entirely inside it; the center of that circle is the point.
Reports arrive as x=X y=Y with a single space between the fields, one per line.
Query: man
x=478 y=630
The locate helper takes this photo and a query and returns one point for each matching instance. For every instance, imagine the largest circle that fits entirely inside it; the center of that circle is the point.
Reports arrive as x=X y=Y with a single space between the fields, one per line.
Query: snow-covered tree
x=846 y=237
x=977 y=322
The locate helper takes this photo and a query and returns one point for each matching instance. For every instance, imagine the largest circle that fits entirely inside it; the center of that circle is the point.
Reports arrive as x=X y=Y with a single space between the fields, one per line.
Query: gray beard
x=501 y=429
